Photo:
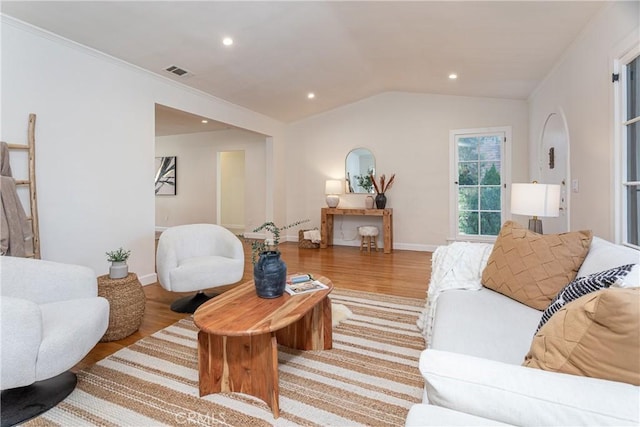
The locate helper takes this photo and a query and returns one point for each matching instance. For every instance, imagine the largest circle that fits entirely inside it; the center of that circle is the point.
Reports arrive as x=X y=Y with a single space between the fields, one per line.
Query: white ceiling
x=342 y=51
x=170 y=121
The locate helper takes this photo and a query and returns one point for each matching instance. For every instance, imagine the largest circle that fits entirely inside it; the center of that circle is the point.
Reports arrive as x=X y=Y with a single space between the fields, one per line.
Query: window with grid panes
x=479 y=161
x=631 y=152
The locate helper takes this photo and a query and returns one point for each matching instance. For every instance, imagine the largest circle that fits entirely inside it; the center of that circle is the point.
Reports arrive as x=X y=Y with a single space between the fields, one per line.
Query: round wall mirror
x=358 y=165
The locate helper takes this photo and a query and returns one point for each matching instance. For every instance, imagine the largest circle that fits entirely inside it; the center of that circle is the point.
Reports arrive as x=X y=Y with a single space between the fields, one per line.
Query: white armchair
x=51 y=318
x=195 y=257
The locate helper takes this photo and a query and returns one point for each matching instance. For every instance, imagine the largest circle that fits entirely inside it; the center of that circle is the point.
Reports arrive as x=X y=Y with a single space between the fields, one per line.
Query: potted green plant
x=118 y=258
x=269 y=271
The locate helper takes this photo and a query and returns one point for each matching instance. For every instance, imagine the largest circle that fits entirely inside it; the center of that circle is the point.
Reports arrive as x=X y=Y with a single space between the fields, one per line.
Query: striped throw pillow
x=582 y=286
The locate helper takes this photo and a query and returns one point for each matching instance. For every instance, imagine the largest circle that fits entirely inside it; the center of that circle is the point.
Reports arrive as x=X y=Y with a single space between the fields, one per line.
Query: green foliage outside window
x=491 y=177
x=475 y=200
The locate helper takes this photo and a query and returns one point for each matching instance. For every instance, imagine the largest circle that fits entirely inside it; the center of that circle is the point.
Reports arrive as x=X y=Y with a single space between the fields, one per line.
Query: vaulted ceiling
x=340 y=51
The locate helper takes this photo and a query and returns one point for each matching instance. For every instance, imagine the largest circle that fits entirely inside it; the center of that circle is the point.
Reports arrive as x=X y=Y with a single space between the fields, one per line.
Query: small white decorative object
x=368 y=202
x=332 y=189
x=119 y=268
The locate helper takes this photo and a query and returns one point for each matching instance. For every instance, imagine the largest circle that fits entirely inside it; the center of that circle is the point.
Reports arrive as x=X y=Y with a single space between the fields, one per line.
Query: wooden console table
x=326 y=224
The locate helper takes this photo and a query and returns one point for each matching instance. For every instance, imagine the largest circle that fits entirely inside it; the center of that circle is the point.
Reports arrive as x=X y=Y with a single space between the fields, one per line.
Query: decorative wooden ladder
x=30 y=148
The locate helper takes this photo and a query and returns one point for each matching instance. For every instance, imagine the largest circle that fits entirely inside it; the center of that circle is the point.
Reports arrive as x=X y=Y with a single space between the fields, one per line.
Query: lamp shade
x=535 y=199
x=333 y=186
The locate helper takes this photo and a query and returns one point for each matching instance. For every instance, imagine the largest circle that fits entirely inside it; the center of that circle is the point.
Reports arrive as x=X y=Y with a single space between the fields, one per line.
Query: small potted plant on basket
x=119 y=268
x=269 y=271
x=381 y=199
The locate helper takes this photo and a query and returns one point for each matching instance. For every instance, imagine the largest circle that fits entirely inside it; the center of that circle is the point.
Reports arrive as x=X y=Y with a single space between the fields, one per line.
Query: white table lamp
x=536 y=200
x=332 y=189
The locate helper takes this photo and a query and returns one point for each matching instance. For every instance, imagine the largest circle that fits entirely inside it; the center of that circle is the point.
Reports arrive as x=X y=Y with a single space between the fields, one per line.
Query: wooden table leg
x=326 y=229
x=314 y=331
x=246 y=364
x=387 y=224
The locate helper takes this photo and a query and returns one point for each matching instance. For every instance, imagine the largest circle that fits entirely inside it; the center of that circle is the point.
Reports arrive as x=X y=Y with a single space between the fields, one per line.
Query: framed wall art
x=166 y=176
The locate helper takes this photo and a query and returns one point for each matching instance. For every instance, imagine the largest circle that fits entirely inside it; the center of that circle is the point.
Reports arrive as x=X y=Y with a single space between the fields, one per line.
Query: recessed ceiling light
x=227 y=41
x=453 y=76
x=205 y=121
x=311 y=95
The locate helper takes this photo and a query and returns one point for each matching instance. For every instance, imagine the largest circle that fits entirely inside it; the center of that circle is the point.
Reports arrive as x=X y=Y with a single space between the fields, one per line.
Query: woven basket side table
x=306 y=243
x=126 y=305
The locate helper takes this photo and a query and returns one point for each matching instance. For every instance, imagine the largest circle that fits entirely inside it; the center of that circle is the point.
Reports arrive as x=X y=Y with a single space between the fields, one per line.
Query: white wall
x=198 y=173
x=580 y=87
x=409 y=135
x=95 y=144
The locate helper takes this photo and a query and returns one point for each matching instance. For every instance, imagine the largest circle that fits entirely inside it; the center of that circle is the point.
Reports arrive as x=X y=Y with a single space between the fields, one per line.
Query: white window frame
x=453 y=178
x=620 y=144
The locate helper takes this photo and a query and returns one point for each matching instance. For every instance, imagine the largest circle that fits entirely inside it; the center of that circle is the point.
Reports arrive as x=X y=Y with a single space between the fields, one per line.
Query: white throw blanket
x=313 y=235
x=456 y=266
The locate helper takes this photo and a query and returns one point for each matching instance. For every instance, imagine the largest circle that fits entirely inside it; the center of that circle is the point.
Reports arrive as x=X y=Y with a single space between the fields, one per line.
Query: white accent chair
x=195 y=257
x=51 y=318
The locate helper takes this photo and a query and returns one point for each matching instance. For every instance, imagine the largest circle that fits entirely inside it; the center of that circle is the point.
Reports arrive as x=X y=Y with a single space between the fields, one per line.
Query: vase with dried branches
x=269 y=271
x=382 y=187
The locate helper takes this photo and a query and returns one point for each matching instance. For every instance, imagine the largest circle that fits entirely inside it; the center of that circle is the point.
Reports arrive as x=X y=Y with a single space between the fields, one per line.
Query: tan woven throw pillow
x=595 y=336
x=532 y=268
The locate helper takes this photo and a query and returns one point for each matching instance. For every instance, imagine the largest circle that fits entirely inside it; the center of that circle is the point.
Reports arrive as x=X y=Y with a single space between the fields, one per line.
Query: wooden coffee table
x=240 y=332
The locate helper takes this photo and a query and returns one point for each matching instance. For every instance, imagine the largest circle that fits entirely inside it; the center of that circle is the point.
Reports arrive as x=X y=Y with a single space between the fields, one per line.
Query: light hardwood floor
x=401 y=273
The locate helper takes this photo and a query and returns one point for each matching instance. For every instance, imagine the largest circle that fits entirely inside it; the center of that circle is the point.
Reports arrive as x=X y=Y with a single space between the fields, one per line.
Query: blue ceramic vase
x=270 y=275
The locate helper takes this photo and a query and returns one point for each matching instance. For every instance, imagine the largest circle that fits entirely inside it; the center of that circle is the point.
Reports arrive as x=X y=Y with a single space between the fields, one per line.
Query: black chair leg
x=191 y=303
x=23 y=403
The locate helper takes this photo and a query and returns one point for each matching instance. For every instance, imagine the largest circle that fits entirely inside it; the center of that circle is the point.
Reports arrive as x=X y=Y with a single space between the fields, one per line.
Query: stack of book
x=302 y=284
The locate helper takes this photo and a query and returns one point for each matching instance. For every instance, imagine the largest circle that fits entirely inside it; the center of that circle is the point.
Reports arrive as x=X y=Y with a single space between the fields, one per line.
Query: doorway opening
x=554 y=168
x=231 y=190
x=220 y=169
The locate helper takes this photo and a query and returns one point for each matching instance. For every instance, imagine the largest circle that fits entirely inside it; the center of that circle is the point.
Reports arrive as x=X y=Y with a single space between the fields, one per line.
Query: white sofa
x=473 y=373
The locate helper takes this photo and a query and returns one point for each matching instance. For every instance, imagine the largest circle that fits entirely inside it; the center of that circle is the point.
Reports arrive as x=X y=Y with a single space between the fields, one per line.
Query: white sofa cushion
x=631 y=280
x=604 y=255
x=524 y=396
x=484 y=323
x=430 y=415
x=582 y=286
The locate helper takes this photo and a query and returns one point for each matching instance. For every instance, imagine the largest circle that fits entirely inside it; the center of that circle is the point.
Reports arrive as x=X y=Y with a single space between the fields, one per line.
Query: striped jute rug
x=370 y=377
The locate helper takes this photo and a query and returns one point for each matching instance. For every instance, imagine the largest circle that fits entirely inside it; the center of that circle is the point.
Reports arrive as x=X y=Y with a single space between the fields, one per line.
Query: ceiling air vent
x=177 y=71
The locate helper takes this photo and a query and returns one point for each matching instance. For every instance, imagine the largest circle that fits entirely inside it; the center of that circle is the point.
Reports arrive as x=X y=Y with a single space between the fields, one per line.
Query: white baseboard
x=415 y=247
x=148 y=279
x=252 y=235
x=396 y=245
x=356 y=243
x=234 y=226
x=472 y=239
